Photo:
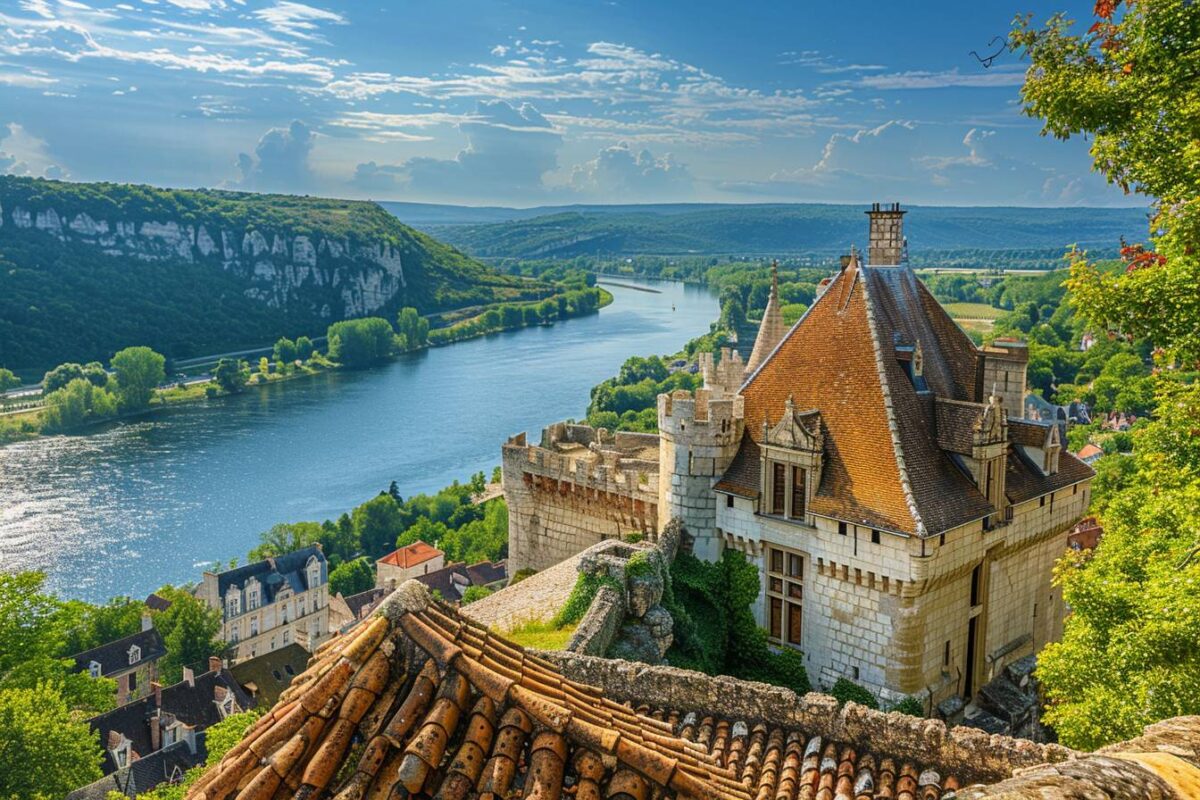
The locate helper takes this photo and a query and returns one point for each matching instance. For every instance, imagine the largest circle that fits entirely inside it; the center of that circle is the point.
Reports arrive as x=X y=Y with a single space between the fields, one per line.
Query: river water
x=142 y=503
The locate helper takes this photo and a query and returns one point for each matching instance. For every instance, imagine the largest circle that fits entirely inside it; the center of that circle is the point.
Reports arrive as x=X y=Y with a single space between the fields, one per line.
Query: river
x=138 y=504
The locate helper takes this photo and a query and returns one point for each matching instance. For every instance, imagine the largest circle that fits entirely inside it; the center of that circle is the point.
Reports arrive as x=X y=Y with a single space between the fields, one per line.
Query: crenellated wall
x=579 y=486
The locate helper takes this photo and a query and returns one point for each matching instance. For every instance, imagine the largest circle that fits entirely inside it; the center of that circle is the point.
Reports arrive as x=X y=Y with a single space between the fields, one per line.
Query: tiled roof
x=144 y=774
x=266 y=676
x=883 y=465
x=771 y=329
x=114 y=656
x=1028 y=432
x=156 y=602
x=744 y=476
x=411 y=555
x=192 y=705
x=955 y=424
x=275 y=573
x=448 y=709
x=1089 y=450
x=1025 y=481
x=488 y=572
x=364 y=600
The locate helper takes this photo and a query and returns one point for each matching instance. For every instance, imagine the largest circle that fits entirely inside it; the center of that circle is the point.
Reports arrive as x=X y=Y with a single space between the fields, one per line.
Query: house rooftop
x=114 y=657
x=411 y=555
x=445 y=708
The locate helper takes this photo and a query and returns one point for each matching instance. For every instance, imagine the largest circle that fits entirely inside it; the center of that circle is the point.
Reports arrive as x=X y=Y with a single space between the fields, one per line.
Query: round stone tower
x=700 y=436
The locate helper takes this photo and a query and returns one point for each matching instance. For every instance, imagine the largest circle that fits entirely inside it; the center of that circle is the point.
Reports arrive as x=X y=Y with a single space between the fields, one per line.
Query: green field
x=981 y=311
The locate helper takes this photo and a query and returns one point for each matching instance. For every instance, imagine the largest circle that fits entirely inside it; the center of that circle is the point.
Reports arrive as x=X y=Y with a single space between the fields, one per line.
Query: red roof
x=1089 y=450
x=411 y=555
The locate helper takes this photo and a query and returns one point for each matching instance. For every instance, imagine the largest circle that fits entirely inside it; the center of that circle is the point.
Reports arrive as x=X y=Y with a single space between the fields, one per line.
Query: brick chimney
x=156 y=687
x=214 y=663
x=189 y=677
x=886 y=247
x=147 y=622
x=156 y=732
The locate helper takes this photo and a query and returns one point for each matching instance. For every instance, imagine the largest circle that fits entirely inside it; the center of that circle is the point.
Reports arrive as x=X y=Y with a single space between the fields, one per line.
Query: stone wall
x=969 y=753
x=560 y=503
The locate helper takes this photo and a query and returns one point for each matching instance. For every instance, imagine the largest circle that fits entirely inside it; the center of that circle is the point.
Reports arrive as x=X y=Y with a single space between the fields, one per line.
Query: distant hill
x=86 y=269
x=933 y=231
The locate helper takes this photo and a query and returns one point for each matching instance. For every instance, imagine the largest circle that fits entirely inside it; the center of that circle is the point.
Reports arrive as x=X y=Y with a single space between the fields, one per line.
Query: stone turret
x=724 y=378
x=772 y=329
x=887 y=246
x=699 y=436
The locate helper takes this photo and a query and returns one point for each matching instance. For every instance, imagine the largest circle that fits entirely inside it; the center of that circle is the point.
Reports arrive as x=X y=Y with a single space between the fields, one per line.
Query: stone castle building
x=871 y=461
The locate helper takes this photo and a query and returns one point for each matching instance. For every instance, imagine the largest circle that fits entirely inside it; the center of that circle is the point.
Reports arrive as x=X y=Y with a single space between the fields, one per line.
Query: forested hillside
x=86 y=269
x=1019 y=237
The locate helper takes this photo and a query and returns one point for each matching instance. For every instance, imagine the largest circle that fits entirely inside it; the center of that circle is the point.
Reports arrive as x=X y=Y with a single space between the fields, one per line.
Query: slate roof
x=409 y=556
x=191 y=705
x=357 y=602
x=744 y=476
x=488 y=572
x=448 y=709
x=275 y=573
x=113 y=657
x=885 y=462
x=453 y=579
x=265 y=677
x=146 y=773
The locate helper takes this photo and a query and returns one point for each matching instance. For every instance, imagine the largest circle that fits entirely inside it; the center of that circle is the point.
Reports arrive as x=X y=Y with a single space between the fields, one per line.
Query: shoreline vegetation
x=78 y=397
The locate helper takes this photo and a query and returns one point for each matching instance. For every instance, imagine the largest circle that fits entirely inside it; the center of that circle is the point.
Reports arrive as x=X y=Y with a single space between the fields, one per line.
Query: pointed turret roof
x=772 y=329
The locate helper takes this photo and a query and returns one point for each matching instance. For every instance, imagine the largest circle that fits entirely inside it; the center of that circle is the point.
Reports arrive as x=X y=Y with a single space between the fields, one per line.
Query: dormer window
x=798 y=493
x=120 y=753
x=253 y=597
x=778 y=488
x=94 y=669
x=224 y=701
x=314 y=572
x=233 y=602
x=135 y=654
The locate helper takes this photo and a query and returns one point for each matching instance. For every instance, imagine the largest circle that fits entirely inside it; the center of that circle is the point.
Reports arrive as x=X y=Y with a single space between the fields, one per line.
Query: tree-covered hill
x=86 y=269
x=936 y=234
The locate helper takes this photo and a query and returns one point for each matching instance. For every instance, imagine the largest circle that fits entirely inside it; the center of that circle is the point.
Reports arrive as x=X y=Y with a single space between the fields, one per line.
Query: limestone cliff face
x=333 y=278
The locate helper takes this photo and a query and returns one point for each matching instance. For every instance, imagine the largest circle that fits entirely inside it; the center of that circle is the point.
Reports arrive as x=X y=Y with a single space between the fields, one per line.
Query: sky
x=538 y=101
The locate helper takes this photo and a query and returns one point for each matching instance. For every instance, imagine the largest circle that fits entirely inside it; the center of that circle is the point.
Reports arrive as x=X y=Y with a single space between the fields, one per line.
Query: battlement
x=686 y=414
x=621 y=463
x=723 y=377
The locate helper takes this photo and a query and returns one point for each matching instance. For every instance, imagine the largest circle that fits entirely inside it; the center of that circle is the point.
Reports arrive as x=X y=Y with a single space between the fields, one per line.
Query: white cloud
x=500 y=51
x=22 y=153
x=619 y=172
x=297 y=19
x=26 y=80
x=823 y=63
x=280 y=160
x=998 y=76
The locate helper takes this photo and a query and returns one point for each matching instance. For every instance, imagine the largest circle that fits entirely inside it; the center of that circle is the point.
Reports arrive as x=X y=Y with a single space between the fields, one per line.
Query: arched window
x=135 y=654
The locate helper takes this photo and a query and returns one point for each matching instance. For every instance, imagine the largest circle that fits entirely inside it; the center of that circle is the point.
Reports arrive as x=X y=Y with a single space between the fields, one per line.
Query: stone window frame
x=253 y=595
x=135 y=654
x=95 y=669
x=785 y=572
x=313 y=572
x=789 y=460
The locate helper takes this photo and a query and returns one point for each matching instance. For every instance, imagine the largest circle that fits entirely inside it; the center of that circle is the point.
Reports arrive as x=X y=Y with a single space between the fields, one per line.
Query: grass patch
x=541 y=635
x=961 y=311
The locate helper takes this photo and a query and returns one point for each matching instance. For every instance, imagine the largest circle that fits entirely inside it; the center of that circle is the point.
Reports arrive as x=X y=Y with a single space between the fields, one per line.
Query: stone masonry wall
x=559 y=506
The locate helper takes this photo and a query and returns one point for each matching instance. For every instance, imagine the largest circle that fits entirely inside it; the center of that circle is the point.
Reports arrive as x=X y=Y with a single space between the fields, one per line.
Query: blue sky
x=534 y=102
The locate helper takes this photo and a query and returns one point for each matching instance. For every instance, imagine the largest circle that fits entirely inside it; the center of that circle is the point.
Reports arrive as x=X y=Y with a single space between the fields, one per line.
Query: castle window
x=252 y=598
x=976 y=575
x=798 y=494
x=778 y=488
x=132 y=682
x=842 y=528
x=785 y=596
x=254 y=626
x=946 y=654
x=729 y=501
x=874 y=536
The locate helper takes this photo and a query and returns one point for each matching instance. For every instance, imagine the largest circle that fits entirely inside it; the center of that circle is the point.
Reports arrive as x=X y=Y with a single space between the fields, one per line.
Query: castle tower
x=886 y=246
x=1002 y=372
x=772 y=329
x=699 y=435
x=724 y=378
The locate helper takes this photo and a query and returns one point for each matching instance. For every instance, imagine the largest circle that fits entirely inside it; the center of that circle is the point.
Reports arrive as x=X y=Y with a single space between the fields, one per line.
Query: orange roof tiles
x=411 y=555
x=418 y=701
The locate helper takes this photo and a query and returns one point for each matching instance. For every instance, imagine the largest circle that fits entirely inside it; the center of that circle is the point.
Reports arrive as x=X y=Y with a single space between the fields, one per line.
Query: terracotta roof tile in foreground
x=417 y=701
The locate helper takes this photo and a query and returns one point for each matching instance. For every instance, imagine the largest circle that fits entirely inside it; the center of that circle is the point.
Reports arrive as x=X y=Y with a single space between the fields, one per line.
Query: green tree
x=413 y=327
x=139 y=371
x=1130 y=653
x=75 y=404
x=96 y=373
x=60 y=376
x=285 y=350
x=192 y=632
x=377 y=522
x=474 y=593
x=360 y=342
x=8 y=382
x=45 y=750
x=231 y=375
x=352 y=577
x=304 y=348
x=286 y=537
x=99 y=624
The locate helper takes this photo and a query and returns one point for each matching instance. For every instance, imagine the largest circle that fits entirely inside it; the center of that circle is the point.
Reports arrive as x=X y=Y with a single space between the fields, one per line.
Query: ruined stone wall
x=559 y=505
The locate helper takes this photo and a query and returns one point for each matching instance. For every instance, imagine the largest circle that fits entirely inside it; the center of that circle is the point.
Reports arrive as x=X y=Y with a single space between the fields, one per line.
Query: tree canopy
x=1130 y=654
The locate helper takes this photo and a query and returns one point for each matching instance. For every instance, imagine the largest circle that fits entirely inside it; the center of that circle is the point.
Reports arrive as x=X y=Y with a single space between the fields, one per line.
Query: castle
x=871 y=461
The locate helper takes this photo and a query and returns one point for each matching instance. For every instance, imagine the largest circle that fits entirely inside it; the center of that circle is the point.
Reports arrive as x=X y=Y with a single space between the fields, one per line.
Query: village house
x=159 y=737
x=271 y=603
x=132 y=662
x=410 y=561
x=871 y=461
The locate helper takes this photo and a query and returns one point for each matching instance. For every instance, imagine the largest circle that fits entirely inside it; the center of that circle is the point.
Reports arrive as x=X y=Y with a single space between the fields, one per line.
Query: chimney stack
x=157 y=688
x=214 y=663
x=189 y=677
x=147 y=622
x=155 y=732
x=886 y=247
